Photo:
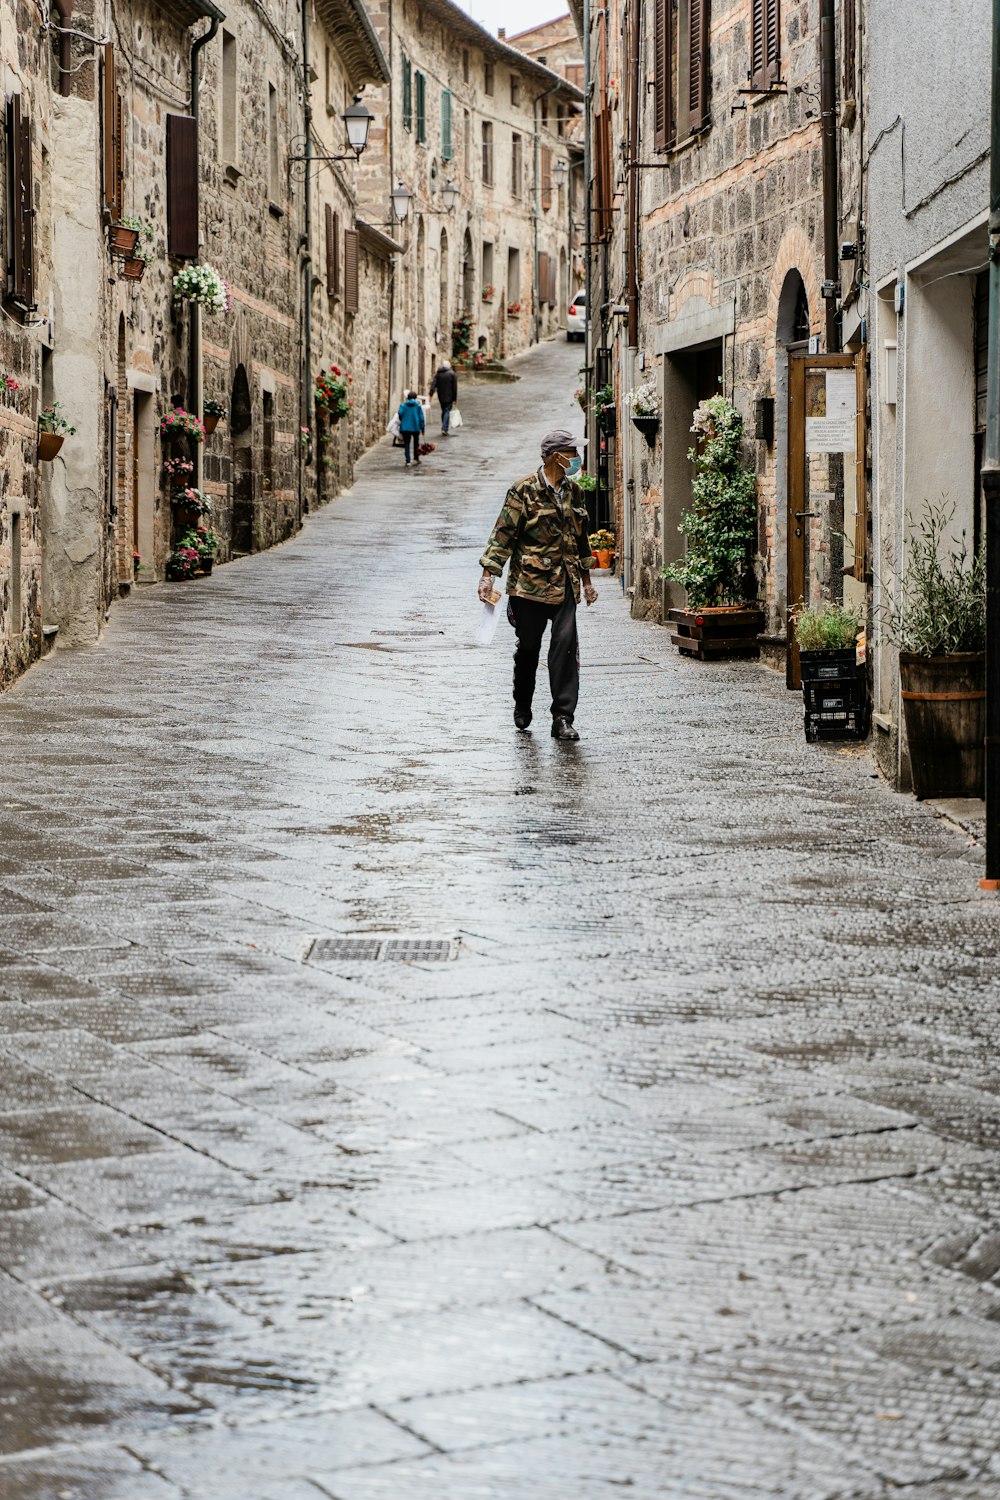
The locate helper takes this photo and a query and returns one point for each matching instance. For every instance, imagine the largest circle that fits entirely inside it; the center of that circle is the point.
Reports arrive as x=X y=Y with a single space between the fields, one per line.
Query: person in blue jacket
x=411 y=426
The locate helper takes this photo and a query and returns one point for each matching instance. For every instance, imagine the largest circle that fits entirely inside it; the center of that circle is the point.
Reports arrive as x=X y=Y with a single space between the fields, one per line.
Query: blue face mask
x=573 y=467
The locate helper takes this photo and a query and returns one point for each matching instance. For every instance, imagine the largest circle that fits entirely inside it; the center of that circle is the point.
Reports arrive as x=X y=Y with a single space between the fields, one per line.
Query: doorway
x=689 y=376
x=241 y=433
x=144 y=484
x=468 y=276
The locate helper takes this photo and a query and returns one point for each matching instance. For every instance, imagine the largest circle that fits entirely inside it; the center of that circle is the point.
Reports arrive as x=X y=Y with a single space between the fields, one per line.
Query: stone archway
x=468 y=276
x=791 y=330
x=444 y=310
x=242 y=487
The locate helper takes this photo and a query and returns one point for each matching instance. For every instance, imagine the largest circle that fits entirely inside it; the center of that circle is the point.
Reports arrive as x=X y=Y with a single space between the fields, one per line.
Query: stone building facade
x=724 y=210
x=467 y=109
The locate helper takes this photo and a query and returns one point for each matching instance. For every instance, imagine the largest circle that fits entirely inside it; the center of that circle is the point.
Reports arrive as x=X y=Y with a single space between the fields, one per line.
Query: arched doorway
x=242 y=490
x=791 y=333
x=468 y=276
x=444 y=313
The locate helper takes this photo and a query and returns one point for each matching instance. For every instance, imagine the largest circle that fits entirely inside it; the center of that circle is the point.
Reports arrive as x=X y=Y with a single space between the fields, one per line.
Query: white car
x=576 y=317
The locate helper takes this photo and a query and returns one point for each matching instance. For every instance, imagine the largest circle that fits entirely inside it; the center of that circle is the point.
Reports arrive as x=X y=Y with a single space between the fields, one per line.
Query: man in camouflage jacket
x=542 y=528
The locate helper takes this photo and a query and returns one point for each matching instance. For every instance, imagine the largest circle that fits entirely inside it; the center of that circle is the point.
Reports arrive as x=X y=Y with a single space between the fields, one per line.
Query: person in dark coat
x=411 y=425
x=445 y=387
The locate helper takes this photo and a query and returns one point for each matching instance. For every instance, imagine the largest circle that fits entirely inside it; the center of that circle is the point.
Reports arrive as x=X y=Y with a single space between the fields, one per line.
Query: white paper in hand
x=489 y=620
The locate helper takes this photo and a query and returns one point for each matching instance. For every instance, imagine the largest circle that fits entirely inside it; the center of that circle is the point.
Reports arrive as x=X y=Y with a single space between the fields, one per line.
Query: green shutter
x=421 y=107
x=407 y=95
x=446 y=151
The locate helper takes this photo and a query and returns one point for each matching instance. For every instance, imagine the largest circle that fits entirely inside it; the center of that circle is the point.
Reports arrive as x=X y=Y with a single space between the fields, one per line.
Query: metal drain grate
x=372 y=949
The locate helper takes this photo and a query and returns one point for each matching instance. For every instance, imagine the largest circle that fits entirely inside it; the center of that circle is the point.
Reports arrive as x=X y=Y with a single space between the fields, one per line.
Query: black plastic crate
x=827 y=666
x=837 y=724
x=840 y=693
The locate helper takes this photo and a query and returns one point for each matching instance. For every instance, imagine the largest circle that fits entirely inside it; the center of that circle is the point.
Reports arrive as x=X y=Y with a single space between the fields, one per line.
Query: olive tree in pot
x=939 y=625
x=723 y=617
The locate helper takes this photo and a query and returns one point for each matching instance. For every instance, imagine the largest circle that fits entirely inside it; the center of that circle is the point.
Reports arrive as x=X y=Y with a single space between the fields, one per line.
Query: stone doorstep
x=968 y=813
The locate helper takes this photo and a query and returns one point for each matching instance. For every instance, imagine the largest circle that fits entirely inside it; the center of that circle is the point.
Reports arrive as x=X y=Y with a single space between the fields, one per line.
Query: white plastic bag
x=393 y=426
x=455 y=420
x=489 y=620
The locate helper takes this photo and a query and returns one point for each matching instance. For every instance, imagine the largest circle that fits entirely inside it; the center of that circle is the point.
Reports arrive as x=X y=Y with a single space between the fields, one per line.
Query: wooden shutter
x=553 y=281
x=351 y=299
x=603 y=188
x=546 y=177
x=543 y=276
x=332 y=253
x=849 y=24
x=765 y=43
x=663 y=133
x=407 y=94
x=695 y=92
x=113 y=111
x=182 y=186
x=421 y=107
x=21 y=277
x=446 y=151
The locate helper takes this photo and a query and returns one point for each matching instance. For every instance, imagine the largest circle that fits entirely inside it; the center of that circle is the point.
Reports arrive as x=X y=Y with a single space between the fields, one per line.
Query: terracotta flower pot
x=133 y=269
x=603 y=558
x=944 y=708
x=211 y=421
x=123 y=241
x=49 y=444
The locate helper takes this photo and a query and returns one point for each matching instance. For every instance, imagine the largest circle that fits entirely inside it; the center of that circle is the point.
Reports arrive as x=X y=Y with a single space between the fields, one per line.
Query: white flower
x=644 y=400
x=204 y=285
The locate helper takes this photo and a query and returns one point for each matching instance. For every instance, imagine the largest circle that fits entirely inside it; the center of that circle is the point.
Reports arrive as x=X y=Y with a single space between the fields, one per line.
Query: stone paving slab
x=679 y=1181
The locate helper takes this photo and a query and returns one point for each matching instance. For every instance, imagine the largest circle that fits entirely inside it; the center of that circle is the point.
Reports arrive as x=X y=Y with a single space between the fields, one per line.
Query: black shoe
x=522 y=717
x=562 y=728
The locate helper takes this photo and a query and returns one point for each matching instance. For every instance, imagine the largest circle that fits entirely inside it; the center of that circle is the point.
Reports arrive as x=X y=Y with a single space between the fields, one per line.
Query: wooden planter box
x=944 y=707
x=724 y=630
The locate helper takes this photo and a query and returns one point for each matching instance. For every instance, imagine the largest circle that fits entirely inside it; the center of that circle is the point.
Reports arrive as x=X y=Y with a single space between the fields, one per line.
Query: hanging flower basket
x=53 y=429
x=49 y=444
x=331 y=392
x=176 y=423
x=648 y=426
x=204 y=286
x=123 y=239
x=212 y=413
x=133 y=269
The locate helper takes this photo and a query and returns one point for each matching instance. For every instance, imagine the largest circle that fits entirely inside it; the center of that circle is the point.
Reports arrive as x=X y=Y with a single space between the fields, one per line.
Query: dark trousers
x=446 y=407
x=414 y=439
x=529 y=618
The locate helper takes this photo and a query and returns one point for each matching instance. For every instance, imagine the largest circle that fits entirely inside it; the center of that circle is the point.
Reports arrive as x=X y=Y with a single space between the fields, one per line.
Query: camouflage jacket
x=544 y=533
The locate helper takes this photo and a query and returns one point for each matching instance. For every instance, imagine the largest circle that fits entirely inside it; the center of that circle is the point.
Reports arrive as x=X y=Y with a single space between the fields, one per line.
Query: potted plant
x=602 y=545
x=212 y=413
x=461 y=335
x=939 y=625
x=722 y=618
x=134 y=262
x=489 y=292
x=123 y=238
x=136 y=563
x=587 y=482
x=53 y=430
x=331 y=392
x=178 y=468
x=604 y=406
x=644 y=406
x=204 y=286
x=207 y=543
x=582 y=397
x=184 y=561
x=513 y=309
x=178 y=423
x=834 y=682
x=191 y=505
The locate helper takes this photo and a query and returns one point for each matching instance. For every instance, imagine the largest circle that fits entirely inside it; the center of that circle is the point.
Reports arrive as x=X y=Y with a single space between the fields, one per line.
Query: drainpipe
x=831 y=195
x=991 y=490
x=588 y=115
x=537 y=213
x=64 y=9
x=306 y=405
x=633 y=181
x=194 y=353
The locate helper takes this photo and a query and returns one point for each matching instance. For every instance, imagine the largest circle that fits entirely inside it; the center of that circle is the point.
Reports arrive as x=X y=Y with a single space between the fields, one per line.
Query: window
x=446 y=145
x=516 y=166
x=515 y=88
x=488 y=77
x=765 y=43
x=421 y=107
x=545 y=110
x=487 y=153
x=332 y=252
x=407 y=94
x=680 y=70
x=228 y=134
x=542 y=271
x=15 y=622
x=114 y=146
x=467 y=142
x=487 y=263
x=513 y=276
x=273 y=155
x=465 y=64
x=574 y=74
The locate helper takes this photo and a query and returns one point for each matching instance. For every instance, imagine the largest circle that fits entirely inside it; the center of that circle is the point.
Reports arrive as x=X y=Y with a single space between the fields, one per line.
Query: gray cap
x=559 y=440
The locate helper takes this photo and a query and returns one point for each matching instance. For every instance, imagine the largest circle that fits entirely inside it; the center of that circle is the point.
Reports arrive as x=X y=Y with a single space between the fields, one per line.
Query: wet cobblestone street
x=678 y=1182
